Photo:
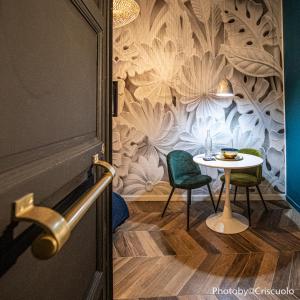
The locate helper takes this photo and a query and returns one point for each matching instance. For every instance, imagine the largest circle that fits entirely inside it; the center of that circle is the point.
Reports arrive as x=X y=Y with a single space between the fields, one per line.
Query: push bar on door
x=57 y=228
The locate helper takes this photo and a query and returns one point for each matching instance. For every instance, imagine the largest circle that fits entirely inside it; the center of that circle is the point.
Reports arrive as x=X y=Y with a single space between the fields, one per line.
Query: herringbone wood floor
x=156 y=258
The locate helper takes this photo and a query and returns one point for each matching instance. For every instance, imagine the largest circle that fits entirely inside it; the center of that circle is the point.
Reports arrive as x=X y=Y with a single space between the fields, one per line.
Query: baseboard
x=240 y=197
x=293 y=203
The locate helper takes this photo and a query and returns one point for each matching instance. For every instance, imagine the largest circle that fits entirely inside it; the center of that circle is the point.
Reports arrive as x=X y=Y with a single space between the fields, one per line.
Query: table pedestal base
x=236 y=224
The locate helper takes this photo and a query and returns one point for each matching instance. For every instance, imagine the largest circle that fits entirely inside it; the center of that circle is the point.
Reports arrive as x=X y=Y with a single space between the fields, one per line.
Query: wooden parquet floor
x=156 y=258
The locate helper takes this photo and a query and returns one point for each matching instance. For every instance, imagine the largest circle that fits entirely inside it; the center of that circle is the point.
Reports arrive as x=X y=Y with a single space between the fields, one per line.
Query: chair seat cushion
x=191 y=181
x=242 y=179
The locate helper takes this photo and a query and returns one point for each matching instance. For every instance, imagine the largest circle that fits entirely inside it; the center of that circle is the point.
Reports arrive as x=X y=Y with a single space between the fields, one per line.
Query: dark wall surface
x=291 y=16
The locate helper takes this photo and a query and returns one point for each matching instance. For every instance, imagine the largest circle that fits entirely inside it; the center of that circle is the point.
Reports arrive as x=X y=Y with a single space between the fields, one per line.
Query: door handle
x=57 y=228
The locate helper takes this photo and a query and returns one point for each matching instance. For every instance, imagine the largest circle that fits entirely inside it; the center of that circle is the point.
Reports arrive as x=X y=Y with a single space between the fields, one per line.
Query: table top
x=248 y=161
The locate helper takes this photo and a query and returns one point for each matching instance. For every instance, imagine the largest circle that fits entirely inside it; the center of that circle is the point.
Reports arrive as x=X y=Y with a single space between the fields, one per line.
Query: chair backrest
x=256 y=171
x=181 y=163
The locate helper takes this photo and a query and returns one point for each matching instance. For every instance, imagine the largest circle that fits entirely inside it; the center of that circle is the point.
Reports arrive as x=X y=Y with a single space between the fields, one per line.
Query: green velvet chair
x=185 y=174
x=247 y=178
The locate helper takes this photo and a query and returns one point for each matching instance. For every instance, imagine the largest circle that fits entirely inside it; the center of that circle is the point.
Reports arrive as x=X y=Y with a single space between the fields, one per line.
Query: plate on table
x=221 y=157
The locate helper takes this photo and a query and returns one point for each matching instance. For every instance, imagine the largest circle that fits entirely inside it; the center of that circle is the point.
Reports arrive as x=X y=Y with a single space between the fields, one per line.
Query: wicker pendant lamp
x=124 y=12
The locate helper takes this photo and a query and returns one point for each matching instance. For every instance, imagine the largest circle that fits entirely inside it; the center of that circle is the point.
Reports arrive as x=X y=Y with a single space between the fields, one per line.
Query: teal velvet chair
x=185 y=174
x=247 y=178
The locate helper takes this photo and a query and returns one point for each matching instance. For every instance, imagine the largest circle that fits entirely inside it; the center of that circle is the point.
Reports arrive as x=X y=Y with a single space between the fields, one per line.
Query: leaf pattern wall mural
x=169 y=60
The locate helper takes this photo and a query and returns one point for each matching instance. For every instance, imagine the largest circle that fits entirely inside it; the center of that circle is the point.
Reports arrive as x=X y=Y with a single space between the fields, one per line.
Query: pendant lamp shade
x=124 y=12
x=224 y=89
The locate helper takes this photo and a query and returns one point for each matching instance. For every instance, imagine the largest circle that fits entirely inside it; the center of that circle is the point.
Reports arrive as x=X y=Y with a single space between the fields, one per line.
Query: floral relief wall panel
x=170 y=60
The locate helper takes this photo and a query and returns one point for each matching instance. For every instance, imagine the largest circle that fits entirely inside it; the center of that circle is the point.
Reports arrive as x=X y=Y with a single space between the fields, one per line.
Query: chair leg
x=221 y=191
x=261 y=197
x=248 y=204
x=211 y=197
x=188 y=203
x=235 y=191
x=166 y=206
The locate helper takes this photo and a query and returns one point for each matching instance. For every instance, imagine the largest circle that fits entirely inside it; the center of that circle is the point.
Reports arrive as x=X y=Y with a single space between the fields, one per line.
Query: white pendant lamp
x=224 y=89
x=124 y=12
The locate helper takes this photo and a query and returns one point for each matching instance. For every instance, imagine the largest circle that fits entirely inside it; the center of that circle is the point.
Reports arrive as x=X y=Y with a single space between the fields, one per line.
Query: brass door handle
x=57 y=228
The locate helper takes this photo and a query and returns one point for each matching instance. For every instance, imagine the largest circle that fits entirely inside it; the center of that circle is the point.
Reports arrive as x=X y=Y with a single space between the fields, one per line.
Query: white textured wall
x=169 y=60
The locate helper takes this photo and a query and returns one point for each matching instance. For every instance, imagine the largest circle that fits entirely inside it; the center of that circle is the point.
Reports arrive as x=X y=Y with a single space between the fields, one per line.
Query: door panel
x=53 y=82
x=61 y=276
x=54 y=116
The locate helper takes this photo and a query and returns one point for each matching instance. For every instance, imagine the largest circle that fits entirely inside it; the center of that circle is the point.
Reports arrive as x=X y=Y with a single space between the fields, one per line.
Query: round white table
x=228 y=222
